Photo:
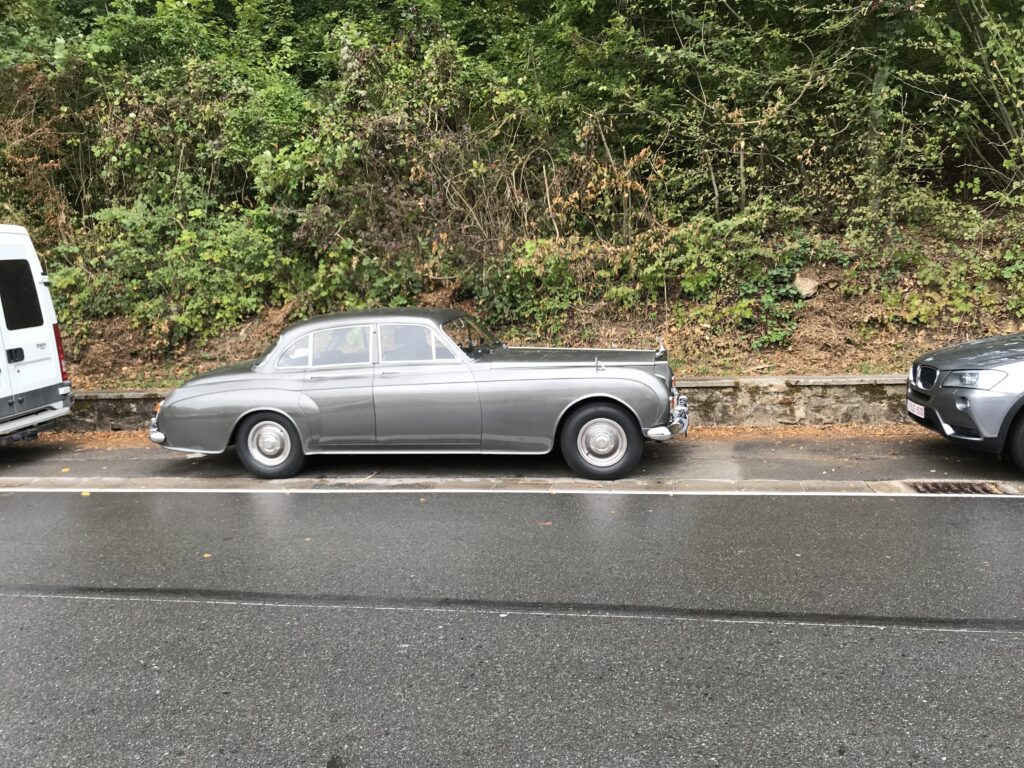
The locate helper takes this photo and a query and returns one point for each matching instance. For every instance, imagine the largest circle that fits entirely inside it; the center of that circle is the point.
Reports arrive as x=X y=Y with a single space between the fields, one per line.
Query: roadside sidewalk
x=836 y=459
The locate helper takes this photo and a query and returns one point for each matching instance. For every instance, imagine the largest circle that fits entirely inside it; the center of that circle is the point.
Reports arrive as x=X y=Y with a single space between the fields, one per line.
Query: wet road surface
x=436 y=629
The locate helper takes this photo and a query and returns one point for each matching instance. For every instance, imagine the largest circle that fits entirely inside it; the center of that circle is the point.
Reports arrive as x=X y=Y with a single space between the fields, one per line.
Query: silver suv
x=973 y=394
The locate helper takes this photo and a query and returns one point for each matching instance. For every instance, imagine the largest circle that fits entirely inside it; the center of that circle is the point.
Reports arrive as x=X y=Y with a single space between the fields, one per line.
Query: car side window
x=297 y=354
x=459 y=332
x=342 y=346
x=441 y=352
x=469 y=336
x=411 y=343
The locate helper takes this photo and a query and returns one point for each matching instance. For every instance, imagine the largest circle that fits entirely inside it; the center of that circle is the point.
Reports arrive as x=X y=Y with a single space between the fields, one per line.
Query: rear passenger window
x=18 y=295
x=411 y=343
x=342 y=346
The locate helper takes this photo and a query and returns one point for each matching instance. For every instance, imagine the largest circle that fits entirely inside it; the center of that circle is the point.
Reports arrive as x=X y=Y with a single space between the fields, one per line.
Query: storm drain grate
x=957 y=486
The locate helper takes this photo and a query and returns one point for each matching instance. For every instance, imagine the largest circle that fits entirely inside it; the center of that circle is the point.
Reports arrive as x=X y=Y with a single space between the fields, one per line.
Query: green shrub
x=184 y=276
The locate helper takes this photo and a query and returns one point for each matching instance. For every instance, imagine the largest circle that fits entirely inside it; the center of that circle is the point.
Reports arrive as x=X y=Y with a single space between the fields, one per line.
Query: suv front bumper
x=974 y=417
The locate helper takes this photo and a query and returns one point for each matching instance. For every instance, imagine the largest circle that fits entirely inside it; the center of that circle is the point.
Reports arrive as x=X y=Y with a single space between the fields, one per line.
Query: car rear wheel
x=268 y=446
x=601 y=442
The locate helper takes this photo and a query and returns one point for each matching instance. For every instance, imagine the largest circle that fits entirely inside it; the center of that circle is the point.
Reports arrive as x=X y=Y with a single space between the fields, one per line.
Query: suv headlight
x=973 y=379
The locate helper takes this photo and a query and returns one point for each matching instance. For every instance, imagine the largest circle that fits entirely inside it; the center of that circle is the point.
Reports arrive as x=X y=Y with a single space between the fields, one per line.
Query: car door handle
x=15 y=355
x=389 y=373
x=328 y=377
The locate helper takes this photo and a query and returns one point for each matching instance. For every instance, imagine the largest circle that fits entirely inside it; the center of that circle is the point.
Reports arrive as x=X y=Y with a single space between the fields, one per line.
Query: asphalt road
x=426 y=628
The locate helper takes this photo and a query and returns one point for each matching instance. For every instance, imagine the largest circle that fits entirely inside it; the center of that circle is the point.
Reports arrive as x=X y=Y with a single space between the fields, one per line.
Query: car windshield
x=471 y=336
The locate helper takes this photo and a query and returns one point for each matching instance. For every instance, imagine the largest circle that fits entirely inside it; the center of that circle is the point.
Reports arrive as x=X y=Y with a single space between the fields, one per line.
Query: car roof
x=384 y=315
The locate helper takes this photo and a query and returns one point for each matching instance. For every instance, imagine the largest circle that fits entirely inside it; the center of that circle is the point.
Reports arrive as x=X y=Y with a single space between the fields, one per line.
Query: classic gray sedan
x=424 y=381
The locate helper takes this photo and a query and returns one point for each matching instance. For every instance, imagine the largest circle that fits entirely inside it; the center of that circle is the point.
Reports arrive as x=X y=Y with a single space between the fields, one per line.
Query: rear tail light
x=60 y=352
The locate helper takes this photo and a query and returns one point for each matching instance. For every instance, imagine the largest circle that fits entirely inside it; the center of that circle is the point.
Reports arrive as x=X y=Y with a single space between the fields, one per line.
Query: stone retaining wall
x=109 y=411
x=771 y=401
x=762 y=401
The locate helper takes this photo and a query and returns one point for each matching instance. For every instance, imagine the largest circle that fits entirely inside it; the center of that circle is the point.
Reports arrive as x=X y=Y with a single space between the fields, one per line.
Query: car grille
x=925 y=376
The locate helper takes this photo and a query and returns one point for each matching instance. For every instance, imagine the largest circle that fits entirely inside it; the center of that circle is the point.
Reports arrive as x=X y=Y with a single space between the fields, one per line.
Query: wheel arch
x=586 y=400
x=232 y=439
x=1014 y=418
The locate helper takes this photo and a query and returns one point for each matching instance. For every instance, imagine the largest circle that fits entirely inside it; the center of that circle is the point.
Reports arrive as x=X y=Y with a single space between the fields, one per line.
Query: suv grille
x=925 y=376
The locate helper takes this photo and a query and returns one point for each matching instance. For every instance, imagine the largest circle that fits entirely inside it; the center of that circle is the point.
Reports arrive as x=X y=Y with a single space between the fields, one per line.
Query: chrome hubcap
x=269 y=443
x=602 y=442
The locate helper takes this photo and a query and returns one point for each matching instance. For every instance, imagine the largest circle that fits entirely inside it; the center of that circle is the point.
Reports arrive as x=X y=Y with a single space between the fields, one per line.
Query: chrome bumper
x=679 y=422
x=154 y=432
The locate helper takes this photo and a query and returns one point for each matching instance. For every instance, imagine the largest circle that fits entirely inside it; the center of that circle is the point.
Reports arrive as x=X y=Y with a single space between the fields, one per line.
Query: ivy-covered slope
x=576 y=170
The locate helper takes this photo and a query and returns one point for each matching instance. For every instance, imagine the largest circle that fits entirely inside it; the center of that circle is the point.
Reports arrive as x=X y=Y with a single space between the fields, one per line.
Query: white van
x=34 y=385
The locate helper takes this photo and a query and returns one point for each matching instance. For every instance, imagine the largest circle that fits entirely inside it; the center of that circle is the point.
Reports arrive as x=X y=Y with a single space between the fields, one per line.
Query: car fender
x=646 y=413
x=304 y=434
x=597 y=396
x=523 y=409
x=206 y=421
x=1008 y=422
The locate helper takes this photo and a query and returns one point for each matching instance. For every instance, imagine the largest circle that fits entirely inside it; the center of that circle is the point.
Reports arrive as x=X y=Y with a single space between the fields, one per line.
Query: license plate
x=914 y=408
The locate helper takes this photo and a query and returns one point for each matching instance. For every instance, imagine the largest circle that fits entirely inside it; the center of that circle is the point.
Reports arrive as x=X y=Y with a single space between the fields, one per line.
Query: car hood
x=545 y=356
x=222 y=375
x=993 y=352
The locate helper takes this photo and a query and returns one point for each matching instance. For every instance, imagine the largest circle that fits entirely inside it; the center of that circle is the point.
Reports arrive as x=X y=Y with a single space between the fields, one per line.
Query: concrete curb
x=627 y=486
x=763 y=401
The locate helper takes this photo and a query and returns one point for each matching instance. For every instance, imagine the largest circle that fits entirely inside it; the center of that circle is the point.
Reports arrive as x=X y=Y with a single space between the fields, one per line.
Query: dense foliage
x=188 y=163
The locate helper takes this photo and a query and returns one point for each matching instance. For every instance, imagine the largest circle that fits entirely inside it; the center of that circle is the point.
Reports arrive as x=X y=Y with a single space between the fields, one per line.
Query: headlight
x=973 y=379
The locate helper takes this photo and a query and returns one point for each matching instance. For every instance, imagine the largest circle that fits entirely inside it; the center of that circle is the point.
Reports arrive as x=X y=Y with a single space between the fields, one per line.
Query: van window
x=18 y=295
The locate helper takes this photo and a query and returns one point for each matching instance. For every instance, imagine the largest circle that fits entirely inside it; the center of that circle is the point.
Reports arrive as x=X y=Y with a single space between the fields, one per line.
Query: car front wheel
x=268 y=446
x=601 y=442
x=1015 y=443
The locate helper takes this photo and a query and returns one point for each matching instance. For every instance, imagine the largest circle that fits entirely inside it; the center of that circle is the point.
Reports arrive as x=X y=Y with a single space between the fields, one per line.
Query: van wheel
x=601 y=442
x=269 y=446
